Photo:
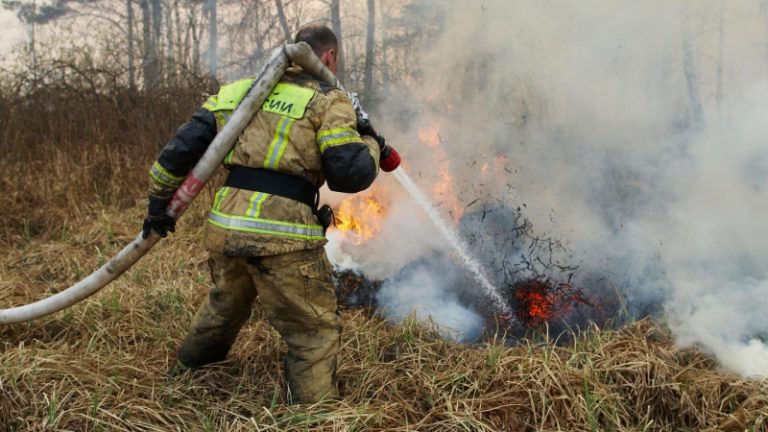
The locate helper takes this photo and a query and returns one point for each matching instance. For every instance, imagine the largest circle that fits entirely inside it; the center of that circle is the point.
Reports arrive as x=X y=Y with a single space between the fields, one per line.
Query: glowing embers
x=535 y=302
x=359 y=218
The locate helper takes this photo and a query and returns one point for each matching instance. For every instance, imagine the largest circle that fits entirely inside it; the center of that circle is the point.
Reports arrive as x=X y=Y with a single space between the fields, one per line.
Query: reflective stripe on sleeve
x=336 y=137
x=211 y=103
x=265 y=226
x=162 y=176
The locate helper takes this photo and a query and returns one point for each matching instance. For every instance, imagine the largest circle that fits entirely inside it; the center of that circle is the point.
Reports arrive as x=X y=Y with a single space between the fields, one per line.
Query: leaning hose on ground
x=265 y=81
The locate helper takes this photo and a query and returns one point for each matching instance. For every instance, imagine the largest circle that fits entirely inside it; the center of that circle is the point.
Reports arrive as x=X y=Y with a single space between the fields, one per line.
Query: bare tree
x=369 y=49
x=384 y=27
x=283 y=20
x=213 y=39
x=131 y=66
x=157 y=25
x=149 y=54
x=336 y=24
x=170 y=54
x=32 y=15
x=194 y=31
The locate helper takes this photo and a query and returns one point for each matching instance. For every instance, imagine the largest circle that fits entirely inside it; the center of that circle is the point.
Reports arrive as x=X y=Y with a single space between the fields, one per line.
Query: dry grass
x=100 y=365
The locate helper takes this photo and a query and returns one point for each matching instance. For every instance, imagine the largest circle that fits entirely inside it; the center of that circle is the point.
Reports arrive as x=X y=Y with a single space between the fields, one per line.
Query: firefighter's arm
x=350 y=161
x=192 y=139
x=181 y=154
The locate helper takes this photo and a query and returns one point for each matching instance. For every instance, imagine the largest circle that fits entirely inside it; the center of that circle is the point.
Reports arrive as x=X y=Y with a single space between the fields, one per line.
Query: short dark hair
x=319 y=37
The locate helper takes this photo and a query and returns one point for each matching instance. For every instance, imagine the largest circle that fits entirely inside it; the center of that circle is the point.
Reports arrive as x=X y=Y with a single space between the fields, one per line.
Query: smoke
x=610 y=128
x=420 y=290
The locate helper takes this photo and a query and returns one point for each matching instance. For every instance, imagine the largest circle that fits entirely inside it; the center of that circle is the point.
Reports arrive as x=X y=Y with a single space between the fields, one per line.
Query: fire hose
x=301 y=54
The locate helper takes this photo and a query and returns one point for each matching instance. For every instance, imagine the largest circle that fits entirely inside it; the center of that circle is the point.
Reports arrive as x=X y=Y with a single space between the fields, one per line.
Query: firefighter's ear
x=330 y=59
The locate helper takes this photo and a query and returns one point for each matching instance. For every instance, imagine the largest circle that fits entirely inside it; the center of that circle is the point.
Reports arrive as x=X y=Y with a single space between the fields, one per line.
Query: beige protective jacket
x=305 y=129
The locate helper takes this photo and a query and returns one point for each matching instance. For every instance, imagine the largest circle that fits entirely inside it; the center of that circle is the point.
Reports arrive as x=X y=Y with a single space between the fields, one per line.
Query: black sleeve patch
x=190 y=142
x=349 y=168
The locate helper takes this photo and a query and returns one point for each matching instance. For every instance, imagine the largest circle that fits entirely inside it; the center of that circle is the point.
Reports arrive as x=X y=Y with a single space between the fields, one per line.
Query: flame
x=537 y=306
x=359 y=218
x=538 y=301
x=443 y=189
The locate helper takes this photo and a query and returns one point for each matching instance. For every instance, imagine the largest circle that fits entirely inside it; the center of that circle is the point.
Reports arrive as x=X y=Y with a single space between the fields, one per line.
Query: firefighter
x=263 y=234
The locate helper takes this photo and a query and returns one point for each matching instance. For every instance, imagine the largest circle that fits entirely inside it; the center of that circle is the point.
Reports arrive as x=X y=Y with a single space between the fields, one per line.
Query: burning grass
x=100 y=365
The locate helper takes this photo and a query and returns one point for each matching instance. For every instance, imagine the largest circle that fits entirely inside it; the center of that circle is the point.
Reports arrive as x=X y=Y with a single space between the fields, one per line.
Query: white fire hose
x=301 y=54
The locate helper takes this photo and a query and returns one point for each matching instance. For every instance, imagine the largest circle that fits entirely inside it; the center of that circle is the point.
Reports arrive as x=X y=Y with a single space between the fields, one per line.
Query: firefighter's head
x=323 y=42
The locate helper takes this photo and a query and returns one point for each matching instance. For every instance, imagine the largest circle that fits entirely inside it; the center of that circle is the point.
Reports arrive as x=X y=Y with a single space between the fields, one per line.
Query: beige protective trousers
x=297 y=295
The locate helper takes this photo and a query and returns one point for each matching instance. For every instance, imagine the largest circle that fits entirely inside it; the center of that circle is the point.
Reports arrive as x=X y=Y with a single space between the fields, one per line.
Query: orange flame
x=539 y=305
x=443 y=190
x=535 y=302
x=358 y=218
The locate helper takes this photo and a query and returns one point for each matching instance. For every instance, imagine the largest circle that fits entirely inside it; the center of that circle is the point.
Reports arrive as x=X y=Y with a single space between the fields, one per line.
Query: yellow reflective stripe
x=165 y=172
x=336 y=137
x=159 y=180
x=265 y=226
x=162 y=176
x=229 y=157
x=254 y=207
x=279 y=143
x=220 y=195
x=336 y=131
x=211 y=103
x=339 y=141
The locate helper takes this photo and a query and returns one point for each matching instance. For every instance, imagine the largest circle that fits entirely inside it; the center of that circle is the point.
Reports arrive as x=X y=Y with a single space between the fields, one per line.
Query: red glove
x=389 y=159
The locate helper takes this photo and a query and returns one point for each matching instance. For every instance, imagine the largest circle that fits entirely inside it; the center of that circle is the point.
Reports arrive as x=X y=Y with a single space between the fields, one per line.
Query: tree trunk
x=194 y=32
x=182 y=37
x=131 y=67
x=157 y=25
x=336 y=24
x=369 y=50
x=283 y=20
x=170 y=63
x=383 y=30
x=32 y=46
x=149 y=60
x=213 y=40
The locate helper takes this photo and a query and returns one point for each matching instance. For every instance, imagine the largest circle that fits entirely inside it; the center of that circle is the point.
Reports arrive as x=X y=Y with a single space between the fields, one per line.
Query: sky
x=11 y=31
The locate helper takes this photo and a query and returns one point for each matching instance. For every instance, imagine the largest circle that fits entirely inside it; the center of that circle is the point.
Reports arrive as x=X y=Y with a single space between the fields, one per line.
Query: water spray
x=458 y=245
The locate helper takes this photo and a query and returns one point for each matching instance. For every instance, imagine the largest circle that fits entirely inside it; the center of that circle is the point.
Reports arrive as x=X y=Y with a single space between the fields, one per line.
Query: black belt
x=274 y=183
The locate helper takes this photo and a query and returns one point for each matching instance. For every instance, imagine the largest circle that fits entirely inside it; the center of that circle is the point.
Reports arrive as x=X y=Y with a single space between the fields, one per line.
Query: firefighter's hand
x=389 y=159
x=364 y=127
x=157 y=220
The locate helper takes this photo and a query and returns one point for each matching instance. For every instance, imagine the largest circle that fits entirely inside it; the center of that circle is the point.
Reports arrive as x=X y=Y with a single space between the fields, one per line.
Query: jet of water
x=461 y=249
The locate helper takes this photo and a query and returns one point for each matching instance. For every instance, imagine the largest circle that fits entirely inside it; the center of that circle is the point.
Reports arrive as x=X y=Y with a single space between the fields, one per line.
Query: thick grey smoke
x=608 y=124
